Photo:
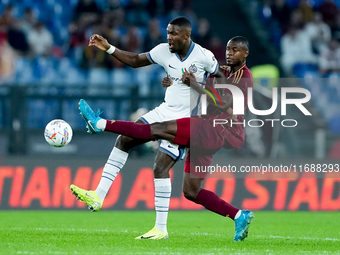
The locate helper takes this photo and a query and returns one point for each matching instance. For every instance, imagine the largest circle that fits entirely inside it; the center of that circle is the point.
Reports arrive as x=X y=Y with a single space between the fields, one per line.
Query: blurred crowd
x=37 y=35
x=307 y=32
x=50 y=37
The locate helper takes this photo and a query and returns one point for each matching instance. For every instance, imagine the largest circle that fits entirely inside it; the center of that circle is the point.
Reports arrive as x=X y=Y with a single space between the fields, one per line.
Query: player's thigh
x=162 y=165
x=125 y=143
x=164 y=130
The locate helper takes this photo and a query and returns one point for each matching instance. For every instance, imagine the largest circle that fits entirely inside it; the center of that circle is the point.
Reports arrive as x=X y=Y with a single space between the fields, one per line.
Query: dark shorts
x=204 y=141
x=199 y=133
x=197 y=164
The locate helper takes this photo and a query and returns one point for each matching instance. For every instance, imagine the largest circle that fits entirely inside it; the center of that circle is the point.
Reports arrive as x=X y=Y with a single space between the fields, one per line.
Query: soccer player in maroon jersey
x=199 y=133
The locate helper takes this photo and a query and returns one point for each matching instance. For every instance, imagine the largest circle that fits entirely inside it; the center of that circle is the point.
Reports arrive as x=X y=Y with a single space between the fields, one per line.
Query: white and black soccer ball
x=58 y=133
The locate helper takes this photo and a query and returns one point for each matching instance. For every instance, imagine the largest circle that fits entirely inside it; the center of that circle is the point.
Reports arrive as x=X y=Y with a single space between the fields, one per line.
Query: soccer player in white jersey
x=176 y=56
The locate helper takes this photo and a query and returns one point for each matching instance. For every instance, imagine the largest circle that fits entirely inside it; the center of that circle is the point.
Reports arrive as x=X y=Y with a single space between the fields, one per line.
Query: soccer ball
x=58 y=133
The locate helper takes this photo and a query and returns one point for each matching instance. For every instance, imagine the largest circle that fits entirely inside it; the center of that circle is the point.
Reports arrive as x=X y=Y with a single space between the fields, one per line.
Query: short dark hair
x=242 y=40
x=181 y=22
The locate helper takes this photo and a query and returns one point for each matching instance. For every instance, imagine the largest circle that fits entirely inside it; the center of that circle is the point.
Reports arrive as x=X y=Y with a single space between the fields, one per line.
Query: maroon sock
x=215 y=204
x=128 y=128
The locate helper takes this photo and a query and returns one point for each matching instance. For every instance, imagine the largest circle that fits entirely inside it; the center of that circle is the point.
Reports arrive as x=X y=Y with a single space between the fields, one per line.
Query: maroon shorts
x=197 y=165
x=198 y=132
x=204 y=141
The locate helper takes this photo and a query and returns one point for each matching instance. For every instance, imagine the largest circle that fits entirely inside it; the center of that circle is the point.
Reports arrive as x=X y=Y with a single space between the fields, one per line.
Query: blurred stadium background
x=46 y=67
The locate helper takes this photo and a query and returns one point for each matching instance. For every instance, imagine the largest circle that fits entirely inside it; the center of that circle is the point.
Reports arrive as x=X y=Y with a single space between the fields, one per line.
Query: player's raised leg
x=161 y=130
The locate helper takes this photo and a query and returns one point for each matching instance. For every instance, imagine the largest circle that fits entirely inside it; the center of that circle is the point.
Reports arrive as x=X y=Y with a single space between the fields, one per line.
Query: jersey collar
x=229 y=75
x=192 y=45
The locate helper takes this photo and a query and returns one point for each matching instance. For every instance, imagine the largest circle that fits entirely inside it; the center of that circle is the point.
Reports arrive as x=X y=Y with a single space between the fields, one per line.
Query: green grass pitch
x=110 y=232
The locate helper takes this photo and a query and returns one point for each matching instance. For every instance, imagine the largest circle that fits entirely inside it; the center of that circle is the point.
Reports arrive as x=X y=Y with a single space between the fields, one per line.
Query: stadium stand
x=138 y=25
x=309 y=43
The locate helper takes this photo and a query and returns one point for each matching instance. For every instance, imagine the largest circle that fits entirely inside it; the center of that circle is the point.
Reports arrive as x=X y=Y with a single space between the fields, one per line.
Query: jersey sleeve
x=156 y=55
x=211 y=64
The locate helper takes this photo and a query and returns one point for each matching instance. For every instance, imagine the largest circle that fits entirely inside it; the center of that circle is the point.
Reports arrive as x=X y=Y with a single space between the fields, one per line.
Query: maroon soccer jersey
x=233 y=134
x=205 y=139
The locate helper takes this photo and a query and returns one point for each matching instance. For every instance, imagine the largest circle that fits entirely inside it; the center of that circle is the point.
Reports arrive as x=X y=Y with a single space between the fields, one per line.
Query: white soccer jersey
x=179 y=97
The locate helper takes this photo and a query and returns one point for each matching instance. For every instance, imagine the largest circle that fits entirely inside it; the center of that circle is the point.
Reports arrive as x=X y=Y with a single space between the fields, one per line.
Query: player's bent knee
x=190 y=194
x=158 y=129
x=191 y=187
x=124 y=143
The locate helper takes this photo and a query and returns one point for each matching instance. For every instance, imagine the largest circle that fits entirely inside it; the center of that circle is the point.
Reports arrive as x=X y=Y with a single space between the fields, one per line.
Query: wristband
x=111 y=49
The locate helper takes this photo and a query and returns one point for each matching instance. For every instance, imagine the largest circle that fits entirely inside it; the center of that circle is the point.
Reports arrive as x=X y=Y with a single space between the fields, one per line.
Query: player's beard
x=173 y=50
x=233 y=63
x=230 y=62
x=175 y=47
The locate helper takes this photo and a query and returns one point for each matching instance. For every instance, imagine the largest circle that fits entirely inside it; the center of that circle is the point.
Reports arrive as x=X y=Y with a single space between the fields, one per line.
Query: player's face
x=235 y=54
x=176 y=38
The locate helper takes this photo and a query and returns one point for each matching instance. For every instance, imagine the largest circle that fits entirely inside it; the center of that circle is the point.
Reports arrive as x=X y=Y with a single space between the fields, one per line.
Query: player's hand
x=187 y=78
x=99 y=41
x=232 y=116
x=166 y=82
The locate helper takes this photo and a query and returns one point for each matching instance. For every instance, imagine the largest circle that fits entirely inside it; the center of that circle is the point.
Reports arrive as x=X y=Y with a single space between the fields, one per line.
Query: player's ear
x=187 y=33
x=246 y=53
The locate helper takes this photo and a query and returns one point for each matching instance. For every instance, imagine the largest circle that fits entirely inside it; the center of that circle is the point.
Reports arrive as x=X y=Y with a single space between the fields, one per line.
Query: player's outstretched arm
x=129 y=58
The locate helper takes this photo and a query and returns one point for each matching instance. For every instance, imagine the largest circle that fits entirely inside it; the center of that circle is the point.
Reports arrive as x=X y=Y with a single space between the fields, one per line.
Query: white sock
x=162 y=201
x=112 y=167
x=101 y=124
x=238 y=214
